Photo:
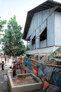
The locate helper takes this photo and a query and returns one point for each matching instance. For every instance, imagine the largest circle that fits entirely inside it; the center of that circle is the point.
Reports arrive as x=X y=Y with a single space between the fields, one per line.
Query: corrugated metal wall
x=39 y=22
x=58 y=28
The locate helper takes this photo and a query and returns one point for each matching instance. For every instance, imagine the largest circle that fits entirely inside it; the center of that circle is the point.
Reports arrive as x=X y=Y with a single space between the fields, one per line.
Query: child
x=2 y=65
x=14 y=69
x=25 y=70
x=9 y=70
x=5 y=59
x=22 y=66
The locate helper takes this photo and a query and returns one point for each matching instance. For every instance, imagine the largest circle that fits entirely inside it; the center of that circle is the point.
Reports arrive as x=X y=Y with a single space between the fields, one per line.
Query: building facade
x=42 y=28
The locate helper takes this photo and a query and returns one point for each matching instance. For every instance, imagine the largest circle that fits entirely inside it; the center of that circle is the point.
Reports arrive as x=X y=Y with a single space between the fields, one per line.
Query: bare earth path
x=3 y=80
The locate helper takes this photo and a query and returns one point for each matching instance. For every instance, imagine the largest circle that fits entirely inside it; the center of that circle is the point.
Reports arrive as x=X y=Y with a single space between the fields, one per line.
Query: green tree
x=2 y=23
x=12 y=41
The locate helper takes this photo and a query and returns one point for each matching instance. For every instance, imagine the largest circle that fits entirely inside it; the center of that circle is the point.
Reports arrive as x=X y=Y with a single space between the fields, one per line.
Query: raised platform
x=42 y=51
x=24 y=83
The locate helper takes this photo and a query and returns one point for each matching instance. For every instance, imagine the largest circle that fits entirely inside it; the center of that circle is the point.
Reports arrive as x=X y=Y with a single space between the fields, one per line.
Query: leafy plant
x=12 y=40
x=2 y=23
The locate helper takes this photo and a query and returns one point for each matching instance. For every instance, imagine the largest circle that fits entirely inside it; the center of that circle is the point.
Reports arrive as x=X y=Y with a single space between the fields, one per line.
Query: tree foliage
x=12 y=41
x=2 y=23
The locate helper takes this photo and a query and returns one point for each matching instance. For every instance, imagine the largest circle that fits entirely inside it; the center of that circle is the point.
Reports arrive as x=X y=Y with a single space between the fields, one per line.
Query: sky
x=9 y=8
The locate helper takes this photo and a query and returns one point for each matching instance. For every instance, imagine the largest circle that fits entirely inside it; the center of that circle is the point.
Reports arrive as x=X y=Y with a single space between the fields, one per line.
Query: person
x=14 y=69
x=5 y=60
x=21 y=65
x=25 y=69
x=14 y=64
x=2 y=65
x=10 y=70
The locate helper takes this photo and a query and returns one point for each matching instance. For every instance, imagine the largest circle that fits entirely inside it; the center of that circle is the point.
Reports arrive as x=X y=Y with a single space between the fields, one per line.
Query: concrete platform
x=25 y=86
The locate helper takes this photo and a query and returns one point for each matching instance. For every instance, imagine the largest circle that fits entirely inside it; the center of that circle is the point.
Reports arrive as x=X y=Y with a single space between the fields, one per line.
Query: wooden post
x=38 y=55
x=47 y=57
x=34 y=57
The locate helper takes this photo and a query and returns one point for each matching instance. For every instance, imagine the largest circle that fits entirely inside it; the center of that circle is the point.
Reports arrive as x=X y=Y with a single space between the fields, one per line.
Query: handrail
x=54 y=53
x=50 y=65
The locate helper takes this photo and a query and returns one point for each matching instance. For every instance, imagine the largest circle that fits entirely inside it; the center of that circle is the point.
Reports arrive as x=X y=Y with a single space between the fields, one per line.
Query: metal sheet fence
x=45 y=71
x=57 y=78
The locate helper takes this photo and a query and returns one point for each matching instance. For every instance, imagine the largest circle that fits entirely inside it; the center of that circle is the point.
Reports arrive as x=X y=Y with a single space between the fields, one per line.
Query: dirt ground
x=3 y=80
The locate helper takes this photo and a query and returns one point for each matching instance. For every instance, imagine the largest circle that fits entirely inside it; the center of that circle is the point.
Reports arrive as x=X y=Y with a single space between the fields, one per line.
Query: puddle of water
x=1 y=82
x=5 y=77
x=22 y=81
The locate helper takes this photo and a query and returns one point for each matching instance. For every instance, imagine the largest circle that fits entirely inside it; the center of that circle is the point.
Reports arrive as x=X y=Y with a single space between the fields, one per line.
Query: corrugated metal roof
x=43 y=6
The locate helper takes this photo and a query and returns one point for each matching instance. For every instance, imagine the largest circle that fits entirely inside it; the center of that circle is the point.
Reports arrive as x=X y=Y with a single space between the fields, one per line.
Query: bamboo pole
x=38 y=55
x=47 y=57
